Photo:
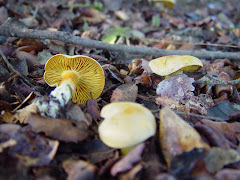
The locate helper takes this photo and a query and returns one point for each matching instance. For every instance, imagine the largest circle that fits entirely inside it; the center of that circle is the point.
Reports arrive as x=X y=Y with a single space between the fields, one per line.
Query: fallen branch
x=9 y=29
x=215 y=81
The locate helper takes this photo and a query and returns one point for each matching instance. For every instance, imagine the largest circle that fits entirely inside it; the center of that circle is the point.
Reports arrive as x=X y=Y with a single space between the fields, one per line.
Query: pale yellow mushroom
x=125 y=125
x=174 y=64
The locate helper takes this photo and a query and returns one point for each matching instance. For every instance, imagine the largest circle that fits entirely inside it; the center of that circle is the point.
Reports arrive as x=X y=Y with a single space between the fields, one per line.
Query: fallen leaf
x=60 y=129
x=7 y=144
x=75 y=113
x=20 y=116
x=30 y=149
x=128 y=161
x=224 y=174
x=183 y=164
x=29 y=58
x=131 y=175
x=93 y=109
x=122 y=15
x=176 y=136
x=20 y=65
x=144 y=80
x=125 y=92
x=165 y=176
x=224 y=39
x=111 y=35
x=138 y=66
x=213 y=136
x=35 y=42
x=95 y=151
x=79 y=169
x=228 y=129
x=216 y=158
x=222 y=110
x=92 y=15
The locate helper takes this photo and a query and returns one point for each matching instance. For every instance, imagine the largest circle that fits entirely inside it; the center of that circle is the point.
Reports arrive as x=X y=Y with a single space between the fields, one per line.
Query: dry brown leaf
x=217 y=157
x=144 y=80
x=131 y=175
x=30 y=149
x=60 y=129
x=138 y=66
x=29 y=58
x=79 y=169
x=3 y=14
x=93 y=109
x=34 y=42
x=171 y=47
x=176 y=136
x=92 y=15
x=224 y=174
x=75 y=113
x=122 y=15
x=224 y=39
x=21 y=116
x=125 y=92
x=187 y=47
x=128 y=161
x=228 y=129
x=7 y=144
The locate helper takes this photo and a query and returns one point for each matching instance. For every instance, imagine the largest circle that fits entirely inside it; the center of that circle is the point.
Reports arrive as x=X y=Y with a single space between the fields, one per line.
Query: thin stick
x=192 y=114
x=200 y=116
x=215 y=81
x=10 y=29
x=12 y=69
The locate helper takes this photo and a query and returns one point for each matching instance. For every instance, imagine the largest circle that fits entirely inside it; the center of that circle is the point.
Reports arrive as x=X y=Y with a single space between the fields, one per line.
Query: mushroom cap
x=91 y=77
x=126 y=124
x=167 y=65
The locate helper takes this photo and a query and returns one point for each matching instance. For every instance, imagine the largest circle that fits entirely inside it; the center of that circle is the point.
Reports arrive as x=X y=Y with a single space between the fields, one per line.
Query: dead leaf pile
x=197 y=113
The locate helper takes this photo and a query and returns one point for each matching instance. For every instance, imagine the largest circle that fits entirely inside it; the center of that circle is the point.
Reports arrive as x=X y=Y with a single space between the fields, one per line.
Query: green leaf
x=112 y=34
x=156 y=20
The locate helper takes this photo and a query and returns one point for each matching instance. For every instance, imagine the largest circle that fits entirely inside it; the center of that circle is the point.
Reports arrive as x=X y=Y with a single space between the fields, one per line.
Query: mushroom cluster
x=78 y=77
x=125 y=125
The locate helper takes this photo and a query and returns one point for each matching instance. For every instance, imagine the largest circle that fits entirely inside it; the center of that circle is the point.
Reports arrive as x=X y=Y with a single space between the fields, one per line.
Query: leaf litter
x=194 y=144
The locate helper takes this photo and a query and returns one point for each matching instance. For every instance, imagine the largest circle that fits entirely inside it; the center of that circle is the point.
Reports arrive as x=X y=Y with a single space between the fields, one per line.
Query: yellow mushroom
x=76 y=77
x=125 y=125
x=174 y=64
x=168 y=3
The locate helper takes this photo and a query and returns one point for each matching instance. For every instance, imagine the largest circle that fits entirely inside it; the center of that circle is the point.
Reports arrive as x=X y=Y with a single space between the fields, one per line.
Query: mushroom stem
x=59 y=96
x=173 y=74
x=67 y=87
x=126 y=150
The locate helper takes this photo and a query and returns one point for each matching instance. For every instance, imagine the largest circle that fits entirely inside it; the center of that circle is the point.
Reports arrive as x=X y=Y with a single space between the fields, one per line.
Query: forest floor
x=196 y=114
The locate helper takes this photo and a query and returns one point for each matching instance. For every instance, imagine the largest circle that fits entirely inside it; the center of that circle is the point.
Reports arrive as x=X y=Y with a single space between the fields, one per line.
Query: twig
x=215 y=81
x=200 y=116
x=192 y=114
x=193 y=44
x=8 y=29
